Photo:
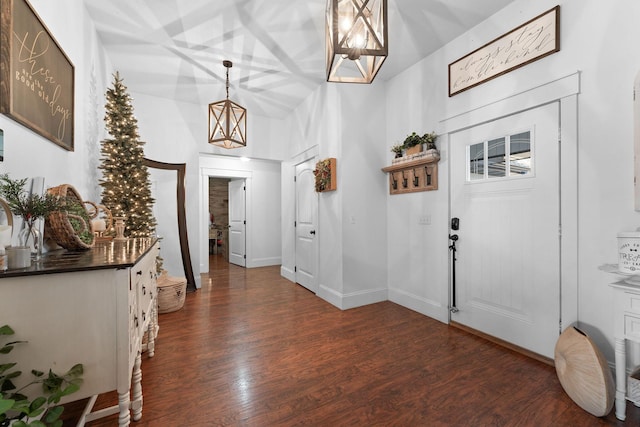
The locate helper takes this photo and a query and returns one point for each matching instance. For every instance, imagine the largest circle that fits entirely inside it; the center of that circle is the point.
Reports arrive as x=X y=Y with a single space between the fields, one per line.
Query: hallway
x=250 y=348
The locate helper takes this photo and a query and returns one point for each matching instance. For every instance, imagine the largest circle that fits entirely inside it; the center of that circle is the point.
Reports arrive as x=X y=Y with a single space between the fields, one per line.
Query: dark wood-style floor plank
x=253 y=349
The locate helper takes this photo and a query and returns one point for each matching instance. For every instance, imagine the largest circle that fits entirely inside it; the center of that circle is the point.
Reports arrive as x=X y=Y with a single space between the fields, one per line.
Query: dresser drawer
x=632 y=327
x=632 y=302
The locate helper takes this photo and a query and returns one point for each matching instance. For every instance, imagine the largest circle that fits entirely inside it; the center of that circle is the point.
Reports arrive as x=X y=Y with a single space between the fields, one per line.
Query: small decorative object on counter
x=119 y=229
x=18 y=257
x=101 y=221
x=31 y=207
x=69 y=226
x=629 y=252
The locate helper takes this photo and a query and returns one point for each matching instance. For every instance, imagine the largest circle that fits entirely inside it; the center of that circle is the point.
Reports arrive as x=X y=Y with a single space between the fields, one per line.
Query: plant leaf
x=6 y=330
x=53 y=414
x=5 y=405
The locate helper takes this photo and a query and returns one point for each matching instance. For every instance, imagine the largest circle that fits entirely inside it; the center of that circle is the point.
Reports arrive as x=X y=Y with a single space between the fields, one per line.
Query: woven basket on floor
x=171 y=293
x=59 y=228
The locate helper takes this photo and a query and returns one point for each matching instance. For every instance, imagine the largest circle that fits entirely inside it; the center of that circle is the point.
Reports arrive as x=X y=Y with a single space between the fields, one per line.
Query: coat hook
x=394 y=183
x=405 y=180
x=416 y=180
x=427 y=173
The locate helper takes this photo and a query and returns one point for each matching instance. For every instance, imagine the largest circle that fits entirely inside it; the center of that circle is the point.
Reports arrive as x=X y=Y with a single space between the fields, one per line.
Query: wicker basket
x=171 y=293
x=633 y=387
x=57 y=225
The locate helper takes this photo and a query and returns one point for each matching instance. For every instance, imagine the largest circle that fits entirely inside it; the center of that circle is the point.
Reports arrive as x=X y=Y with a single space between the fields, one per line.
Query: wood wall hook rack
x=424 y=172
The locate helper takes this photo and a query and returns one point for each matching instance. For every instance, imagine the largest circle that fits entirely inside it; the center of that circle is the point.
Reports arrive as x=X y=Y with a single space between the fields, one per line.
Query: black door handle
x=312 y=232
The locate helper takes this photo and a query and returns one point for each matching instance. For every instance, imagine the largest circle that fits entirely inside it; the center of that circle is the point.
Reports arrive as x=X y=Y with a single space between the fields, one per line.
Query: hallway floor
x=253 y=349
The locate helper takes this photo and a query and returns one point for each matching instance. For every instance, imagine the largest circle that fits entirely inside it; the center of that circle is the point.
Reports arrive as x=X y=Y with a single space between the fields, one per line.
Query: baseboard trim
x=418 y=304
x=353 y=300
x=288 y=274
x=503 y=343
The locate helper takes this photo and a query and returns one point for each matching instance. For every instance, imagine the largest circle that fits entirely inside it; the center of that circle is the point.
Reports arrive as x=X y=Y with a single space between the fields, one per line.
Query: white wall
x=27 y=154
x=594 y=40
x=342 y=121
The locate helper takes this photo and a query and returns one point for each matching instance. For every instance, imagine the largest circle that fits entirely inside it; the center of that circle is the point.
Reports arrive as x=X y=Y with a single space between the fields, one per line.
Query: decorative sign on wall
x=36 y=77
x=325 y=175
x=529 y=42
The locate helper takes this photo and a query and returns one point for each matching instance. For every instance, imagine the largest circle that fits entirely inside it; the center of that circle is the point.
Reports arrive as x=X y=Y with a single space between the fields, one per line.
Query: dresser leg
x=136 y=401
x=152 y=331
x=123 y=402
x=621 y=379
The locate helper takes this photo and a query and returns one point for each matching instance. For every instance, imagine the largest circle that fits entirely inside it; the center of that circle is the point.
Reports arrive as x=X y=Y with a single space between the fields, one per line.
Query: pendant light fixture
x=227 y=121
x=356 y=38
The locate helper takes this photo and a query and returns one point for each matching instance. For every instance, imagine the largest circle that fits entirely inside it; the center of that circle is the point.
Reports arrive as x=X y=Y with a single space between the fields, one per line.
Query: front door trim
x=565 y=90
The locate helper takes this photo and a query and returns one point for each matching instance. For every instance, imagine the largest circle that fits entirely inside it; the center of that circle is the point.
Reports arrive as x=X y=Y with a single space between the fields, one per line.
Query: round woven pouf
x=584 y=373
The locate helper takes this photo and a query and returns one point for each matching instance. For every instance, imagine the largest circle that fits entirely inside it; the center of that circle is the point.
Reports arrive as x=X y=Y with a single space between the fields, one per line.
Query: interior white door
x=237 y=223
x=505 y=192
x=306 y=227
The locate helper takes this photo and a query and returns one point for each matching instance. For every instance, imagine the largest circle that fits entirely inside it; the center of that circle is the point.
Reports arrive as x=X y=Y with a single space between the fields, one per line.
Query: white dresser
x=91 y=307
x=627 y=327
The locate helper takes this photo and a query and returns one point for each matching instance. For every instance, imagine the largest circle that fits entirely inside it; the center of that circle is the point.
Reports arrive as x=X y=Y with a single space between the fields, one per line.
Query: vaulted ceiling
x=175 y=48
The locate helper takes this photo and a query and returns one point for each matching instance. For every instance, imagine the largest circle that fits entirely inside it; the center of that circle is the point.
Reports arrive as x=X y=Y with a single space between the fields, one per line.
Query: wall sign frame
x=36 y=76
x=529 y=42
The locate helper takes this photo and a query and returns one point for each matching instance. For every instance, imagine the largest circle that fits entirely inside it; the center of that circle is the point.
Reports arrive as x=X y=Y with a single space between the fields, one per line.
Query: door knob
x=312 y=232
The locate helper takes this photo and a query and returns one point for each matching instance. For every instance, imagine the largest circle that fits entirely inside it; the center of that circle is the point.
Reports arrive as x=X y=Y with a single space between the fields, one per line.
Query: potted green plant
x=29 y=206
x=414 y=143
x=18 y=410
x=397 y=149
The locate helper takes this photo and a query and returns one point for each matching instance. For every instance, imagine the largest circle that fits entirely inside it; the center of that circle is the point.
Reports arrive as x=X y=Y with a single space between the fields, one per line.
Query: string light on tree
x=126 y=189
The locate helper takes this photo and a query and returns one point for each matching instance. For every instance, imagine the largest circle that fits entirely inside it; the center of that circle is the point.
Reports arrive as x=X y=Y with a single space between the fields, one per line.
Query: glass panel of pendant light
x=356 y=39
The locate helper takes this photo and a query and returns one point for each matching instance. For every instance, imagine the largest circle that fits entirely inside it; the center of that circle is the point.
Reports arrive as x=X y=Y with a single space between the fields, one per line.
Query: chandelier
x=227 y=121
x=356 y=38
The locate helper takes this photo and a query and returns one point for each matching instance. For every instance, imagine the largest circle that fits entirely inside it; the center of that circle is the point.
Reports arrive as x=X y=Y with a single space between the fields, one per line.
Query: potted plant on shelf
x=414 y=143
x=397 y=150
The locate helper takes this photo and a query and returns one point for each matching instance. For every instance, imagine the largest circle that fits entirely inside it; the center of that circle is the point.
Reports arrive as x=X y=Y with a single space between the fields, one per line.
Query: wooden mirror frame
x=180 y=169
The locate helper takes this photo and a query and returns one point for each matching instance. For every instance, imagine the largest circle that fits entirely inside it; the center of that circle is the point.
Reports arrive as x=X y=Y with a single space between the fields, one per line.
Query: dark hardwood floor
x=253 y=349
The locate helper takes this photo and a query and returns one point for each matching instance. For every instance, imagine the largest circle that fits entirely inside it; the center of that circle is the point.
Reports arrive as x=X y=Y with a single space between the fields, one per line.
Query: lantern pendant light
x=356 y=39
x=227 y=121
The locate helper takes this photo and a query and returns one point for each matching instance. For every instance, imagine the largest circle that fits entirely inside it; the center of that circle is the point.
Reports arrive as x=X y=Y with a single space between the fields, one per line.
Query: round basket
x=171 y=293
x=59 y=228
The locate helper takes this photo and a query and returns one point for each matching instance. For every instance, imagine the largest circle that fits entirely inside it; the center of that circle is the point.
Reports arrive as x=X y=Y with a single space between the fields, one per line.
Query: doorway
x=505 y=190
x=219 y=217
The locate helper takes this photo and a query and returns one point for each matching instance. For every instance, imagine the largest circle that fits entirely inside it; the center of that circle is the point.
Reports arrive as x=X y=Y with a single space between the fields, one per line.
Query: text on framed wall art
x=529 y=42
x=36 y=77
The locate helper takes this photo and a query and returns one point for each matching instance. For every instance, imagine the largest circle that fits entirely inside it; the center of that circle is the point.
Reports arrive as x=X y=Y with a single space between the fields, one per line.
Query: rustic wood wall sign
x=36 y=77
x=529 y=42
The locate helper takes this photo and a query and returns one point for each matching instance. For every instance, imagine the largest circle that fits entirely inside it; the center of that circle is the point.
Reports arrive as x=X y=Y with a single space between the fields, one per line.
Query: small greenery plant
x=80 y=221
x=16 y=409
x=397 y=149
x=429 y=139
x=29 y=206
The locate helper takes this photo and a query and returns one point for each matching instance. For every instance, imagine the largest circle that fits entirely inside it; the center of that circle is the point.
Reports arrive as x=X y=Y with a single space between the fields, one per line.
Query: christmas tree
x=126 y=189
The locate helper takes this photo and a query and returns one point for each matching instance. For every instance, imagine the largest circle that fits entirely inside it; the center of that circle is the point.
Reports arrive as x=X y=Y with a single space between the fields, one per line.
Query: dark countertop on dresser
x=104 y=255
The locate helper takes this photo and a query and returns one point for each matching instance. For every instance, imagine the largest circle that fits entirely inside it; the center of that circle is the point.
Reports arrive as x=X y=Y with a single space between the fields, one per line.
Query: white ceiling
x=175 y=48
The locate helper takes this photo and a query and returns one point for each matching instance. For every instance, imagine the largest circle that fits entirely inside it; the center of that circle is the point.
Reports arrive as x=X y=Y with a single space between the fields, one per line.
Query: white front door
x=306 y=226
x=237 y=222
x=505 y=192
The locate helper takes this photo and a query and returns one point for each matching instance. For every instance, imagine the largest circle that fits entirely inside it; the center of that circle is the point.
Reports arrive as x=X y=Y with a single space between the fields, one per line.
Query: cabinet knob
x=139 y=273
